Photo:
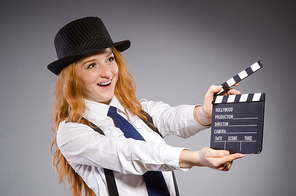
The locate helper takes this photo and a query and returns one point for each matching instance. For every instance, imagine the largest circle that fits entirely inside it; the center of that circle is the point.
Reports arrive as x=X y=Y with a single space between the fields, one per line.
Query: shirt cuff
x=172 y=157
x=193 y=126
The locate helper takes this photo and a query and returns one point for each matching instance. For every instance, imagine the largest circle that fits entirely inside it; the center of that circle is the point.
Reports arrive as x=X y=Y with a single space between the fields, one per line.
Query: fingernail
x=226 y=153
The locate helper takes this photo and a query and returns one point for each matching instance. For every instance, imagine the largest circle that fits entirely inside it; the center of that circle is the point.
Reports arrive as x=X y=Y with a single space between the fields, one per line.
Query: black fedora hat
x=81 y=37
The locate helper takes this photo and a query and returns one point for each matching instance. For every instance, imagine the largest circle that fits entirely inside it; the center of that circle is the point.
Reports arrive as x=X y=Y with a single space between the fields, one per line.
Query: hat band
x=79 y=49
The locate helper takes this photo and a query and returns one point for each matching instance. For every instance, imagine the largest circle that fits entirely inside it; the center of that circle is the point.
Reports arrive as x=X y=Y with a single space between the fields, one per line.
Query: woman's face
x=98 y=73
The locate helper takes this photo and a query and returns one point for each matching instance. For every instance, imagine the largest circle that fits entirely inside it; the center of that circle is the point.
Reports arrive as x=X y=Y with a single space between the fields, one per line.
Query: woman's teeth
x=105 y=83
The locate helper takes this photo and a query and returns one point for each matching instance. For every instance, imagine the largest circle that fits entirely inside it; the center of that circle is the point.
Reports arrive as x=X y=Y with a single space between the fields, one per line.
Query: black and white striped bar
x=240 y=76
x=239 y=98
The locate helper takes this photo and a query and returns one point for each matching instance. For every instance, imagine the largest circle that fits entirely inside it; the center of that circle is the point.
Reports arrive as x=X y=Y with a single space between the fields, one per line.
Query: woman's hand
x=216 y=159
x=203 y=114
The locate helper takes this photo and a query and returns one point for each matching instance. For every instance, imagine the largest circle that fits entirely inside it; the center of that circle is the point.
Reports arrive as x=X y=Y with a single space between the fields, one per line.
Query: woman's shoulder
x=66 y=126
x=151 y=104
x=72 y=130
x=152 y=107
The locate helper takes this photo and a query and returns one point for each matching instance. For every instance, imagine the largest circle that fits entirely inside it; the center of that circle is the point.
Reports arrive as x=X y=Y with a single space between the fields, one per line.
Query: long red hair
x=69 y=105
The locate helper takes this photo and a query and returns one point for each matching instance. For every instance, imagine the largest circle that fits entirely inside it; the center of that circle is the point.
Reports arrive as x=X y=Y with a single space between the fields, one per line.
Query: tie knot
x=111 y=111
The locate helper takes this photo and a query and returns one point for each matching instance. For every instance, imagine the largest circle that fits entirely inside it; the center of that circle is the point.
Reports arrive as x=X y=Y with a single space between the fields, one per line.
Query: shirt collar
x=99 y=110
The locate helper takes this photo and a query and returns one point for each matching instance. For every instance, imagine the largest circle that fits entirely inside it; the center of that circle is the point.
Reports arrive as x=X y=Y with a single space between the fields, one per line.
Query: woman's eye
x=110 y=59
x=91 y=66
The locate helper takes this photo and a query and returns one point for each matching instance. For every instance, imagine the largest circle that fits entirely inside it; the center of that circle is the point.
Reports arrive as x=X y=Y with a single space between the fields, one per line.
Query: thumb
x=221 y=153
x=209 y=98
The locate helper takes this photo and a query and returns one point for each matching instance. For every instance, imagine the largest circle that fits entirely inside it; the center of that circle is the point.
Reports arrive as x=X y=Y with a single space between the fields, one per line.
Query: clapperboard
x=237 y=121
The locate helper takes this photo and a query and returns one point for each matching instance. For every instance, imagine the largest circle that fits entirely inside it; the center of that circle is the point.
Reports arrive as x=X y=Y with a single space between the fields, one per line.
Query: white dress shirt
x=89 y=152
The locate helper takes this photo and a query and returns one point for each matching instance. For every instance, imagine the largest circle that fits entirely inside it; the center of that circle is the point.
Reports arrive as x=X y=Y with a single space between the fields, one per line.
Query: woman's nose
x=105 y=71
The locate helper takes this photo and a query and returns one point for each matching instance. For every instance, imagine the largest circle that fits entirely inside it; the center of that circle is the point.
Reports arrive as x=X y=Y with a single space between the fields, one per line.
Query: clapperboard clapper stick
x=240 y=76
x=237 y=120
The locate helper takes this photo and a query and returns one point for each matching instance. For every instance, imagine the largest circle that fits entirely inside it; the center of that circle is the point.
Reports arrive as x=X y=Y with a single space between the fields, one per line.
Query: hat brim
x=57 y=66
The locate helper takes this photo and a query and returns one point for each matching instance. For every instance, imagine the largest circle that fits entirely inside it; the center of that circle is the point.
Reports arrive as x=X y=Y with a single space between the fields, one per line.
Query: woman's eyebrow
x=109 y=53
x=88 y=60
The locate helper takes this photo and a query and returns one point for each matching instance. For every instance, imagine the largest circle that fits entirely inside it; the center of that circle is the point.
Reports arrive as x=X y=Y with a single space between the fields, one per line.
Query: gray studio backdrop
x=179 y=48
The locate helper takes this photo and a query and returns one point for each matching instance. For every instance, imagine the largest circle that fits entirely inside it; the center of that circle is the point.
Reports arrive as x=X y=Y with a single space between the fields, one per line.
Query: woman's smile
x=104 y=84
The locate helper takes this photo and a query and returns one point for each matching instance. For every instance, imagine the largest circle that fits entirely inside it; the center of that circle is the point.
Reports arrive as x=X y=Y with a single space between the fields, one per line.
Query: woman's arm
x=81 y=145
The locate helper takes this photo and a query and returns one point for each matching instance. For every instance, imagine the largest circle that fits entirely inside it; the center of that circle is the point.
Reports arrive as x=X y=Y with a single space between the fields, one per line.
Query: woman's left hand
x=216 y=159
x=203 y=114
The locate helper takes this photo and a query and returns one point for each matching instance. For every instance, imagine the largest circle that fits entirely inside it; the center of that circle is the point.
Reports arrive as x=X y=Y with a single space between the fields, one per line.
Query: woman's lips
x=105 y=83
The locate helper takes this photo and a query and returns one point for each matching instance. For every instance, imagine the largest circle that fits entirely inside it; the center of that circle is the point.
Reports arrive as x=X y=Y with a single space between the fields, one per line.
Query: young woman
x=93 y=79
